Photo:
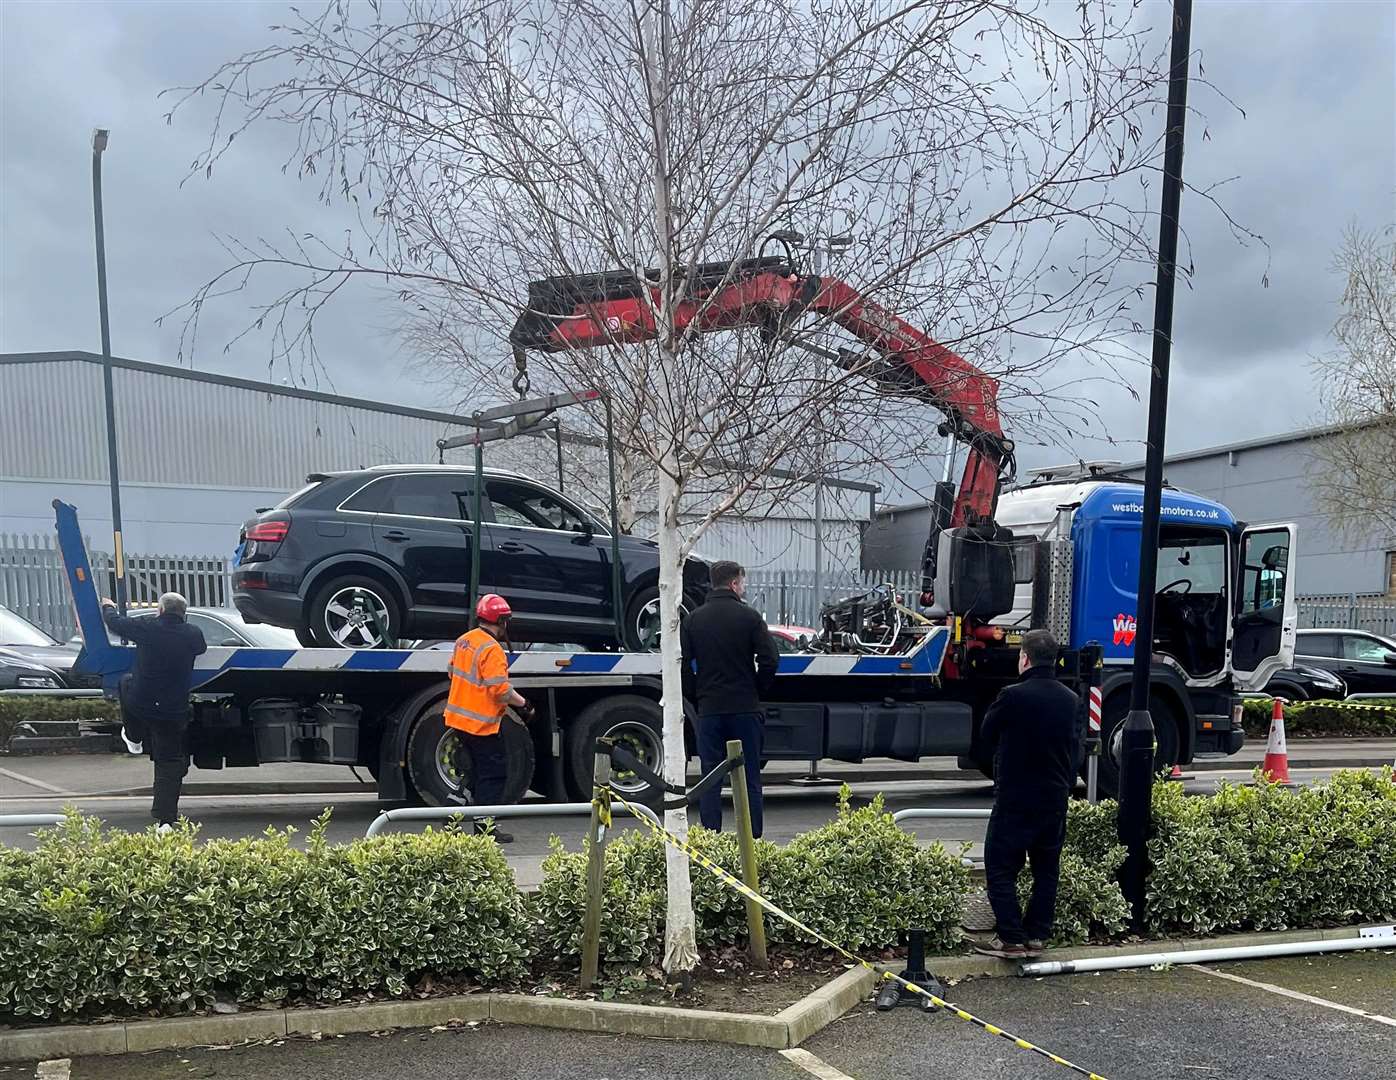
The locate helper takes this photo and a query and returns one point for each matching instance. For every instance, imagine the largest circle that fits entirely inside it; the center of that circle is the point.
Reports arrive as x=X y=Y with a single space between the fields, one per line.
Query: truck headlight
x=38 y=682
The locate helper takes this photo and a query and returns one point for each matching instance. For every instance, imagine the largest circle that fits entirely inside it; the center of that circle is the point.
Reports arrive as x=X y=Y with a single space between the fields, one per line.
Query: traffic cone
x=1177 y=774
x=1275 y=767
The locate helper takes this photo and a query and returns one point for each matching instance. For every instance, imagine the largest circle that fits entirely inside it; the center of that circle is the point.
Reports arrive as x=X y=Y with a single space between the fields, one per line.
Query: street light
x=1137 y=736
x=99 y=143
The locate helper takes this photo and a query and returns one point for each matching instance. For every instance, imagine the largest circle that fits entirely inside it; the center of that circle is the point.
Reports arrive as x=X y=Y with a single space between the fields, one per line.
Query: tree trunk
x=680 y=942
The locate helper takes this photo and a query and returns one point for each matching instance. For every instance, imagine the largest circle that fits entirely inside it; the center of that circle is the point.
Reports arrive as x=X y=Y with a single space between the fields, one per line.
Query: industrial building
x=199 y=452
x=1259 y=480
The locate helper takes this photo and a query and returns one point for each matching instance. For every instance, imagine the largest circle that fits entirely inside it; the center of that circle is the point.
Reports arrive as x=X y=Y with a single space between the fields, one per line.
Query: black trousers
x=714 y=729
x=1014 y=834
x=481 y=757
x=166 y=739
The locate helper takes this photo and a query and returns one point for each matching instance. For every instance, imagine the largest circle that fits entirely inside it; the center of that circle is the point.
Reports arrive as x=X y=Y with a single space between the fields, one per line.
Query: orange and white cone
x=1275 y=767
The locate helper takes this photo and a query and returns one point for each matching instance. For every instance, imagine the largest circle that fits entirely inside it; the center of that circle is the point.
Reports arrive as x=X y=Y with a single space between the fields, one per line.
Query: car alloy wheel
x=355 y=618
x=647 y=624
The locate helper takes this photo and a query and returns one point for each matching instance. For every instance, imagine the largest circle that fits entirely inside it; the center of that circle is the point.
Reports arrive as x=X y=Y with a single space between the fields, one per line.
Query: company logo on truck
x=1124 y=629
x=1201 y=513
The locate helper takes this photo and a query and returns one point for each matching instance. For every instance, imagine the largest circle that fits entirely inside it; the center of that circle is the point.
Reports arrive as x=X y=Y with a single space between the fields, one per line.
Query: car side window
x=1317 y=645
x=433 y=495
x=215 y=632
x=374 y=497
x=516 y=504
x=1363 y=648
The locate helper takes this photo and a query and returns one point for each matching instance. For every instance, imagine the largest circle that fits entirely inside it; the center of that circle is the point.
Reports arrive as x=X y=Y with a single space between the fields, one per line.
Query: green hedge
x=99 y=920
x=15 y=710
x=1264 y=857
x=860 y=880
x=1321 y=718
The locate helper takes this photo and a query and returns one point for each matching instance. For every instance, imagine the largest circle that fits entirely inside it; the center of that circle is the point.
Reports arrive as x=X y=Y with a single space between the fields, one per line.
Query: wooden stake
x=596 y=866
x=756 y=929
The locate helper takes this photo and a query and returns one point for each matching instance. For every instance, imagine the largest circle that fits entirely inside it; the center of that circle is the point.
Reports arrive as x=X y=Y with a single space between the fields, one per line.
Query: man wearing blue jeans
x=728 y=660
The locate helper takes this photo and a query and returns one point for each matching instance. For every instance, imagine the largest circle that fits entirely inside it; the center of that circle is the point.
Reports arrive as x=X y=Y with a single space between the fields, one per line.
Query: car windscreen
x=15 y=630
x=297 y=495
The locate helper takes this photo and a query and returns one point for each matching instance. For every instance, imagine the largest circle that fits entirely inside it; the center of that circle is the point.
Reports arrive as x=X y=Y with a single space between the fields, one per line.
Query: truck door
x=1266 y=610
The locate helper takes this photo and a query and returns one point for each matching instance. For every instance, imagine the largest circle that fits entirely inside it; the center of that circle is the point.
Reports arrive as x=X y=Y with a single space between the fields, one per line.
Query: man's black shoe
x=486 y=827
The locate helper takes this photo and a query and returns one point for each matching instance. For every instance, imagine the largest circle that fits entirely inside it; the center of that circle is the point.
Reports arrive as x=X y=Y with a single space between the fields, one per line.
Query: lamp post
x=1137 y=738
x=99 y=143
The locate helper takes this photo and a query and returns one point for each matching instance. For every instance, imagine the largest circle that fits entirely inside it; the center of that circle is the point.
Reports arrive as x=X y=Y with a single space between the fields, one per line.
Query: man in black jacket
x=1034 y=724
x=728 y=659
x=155 y=696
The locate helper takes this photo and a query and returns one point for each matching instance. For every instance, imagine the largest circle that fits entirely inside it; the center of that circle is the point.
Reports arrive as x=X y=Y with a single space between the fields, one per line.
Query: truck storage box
x=794 y=732
x=860 y=730
x=326 y=732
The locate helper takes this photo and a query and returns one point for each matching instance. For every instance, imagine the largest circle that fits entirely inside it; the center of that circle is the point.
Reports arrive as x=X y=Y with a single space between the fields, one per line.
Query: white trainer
x=164 y=830
x=132 y=747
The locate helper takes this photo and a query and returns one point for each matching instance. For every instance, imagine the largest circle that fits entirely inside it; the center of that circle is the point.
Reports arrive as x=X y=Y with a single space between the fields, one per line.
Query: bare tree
x=1355 y=483
x=976 y=152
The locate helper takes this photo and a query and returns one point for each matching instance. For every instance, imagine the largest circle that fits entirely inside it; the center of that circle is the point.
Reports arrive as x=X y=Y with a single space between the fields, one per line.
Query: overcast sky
x=1316 y=149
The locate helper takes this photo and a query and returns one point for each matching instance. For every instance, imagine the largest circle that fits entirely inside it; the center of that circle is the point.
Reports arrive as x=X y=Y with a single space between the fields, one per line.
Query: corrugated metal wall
x=173 y=430
x=182 y=431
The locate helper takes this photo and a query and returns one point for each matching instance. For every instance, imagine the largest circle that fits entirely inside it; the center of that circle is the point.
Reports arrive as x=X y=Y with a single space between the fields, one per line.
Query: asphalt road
x=1137 y=1025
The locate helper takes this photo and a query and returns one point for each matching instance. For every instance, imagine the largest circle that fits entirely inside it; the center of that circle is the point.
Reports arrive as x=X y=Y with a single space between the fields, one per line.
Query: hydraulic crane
x=773 y=294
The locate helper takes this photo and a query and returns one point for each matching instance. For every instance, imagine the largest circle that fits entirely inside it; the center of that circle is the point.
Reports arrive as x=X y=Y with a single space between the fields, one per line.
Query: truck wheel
x=346 y=613
x=634 y=722
x=1165 y=736
x=431 y=756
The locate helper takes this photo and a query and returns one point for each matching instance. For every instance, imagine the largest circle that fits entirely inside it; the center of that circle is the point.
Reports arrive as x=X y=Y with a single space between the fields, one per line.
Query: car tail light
x=272 y=532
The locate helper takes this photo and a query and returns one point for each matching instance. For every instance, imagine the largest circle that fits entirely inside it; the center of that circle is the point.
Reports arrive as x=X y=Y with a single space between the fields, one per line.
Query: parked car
x=1365 y=661
x=1304 y=683
x=31 y=659
x=226 y=627
x=353 y=554
x=791 y=639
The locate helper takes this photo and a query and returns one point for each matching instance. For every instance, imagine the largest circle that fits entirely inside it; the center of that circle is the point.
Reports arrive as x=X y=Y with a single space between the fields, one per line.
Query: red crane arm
x=588 y=310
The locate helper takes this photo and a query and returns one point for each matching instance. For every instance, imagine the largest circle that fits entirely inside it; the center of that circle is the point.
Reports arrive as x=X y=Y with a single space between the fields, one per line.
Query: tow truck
x=887 y=677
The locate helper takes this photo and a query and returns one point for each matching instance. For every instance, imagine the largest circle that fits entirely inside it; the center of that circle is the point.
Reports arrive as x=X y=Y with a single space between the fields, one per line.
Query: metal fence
x=1375 y=614
x=787 y=597
x=32 y=582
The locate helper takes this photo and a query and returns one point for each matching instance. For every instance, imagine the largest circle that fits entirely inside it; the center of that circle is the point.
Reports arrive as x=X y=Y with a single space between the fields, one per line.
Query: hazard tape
x=751 y=894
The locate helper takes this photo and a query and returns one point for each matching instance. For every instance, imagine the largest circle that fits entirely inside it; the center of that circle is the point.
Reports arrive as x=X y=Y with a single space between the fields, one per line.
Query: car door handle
x=396 y=535
x=511 y=547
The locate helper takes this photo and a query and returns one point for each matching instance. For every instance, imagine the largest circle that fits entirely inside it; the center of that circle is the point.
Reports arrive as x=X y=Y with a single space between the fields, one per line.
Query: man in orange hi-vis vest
x=480 y=694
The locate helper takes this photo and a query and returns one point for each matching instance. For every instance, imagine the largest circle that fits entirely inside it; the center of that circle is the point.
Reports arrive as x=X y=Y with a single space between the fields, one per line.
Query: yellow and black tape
x=751 y=894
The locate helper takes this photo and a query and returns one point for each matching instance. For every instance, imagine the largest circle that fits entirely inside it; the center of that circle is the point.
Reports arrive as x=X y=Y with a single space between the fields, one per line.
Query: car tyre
x=339 y=603
x=642 y=613
x=1288 y=691
x=431 y=758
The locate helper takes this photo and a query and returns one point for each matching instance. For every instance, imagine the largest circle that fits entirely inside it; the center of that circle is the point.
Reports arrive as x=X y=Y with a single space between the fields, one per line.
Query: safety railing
x=517 y=810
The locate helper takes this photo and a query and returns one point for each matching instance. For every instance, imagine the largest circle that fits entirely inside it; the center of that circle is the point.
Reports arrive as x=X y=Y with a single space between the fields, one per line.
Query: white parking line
x=1297 y=996
x=813 y=1065
x=56 y=1069
x=34 y=783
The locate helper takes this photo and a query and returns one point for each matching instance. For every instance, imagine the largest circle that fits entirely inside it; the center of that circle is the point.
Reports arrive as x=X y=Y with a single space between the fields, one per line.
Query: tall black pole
x=1137 y=748
x=99 y=143
x=476 y=531
x=617 y=571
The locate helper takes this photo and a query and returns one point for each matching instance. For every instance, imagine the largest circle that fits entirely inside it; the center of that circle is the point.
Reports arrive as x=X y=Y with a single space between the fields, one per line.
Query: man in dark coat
x=728 y=660
x=155 y=695
x=1034 y=725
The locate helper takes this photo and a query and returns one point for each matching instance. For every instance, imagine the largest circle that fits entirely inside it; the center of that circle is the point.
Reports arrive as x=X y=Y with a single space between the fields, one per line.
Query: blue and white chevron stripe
x=925 y=660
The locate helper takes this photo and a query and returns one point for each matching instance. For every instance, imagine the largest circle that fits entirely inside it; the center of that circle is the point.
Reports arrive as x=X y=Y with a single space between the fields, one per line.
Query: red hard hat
x=493 y=608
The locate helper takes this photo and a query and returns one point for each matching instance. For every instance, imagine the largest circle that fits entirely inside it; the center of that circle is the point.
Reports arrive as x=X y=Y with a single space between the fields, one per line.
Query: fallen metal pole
x=977 y=813
x=1200 y=956
x=446 y=813
x=23 y=821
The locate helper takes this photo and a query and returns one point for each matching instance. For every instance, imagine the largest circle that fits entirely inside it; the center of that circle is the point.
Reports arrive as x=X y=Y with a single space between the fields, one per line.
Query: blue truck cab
x=1225 y=610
